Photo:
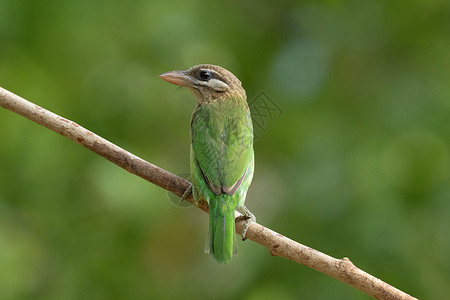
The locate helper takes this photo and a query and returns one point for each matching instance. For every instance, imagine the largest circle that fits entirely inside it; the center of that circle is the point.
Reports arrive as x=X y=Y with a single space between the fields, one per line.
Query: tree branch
x=278 y=245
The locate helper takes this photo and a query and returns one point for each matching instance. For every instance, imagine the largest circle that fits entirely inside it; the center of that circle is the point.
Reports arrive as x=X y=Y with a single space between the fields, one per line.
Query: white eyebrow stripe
x=209 y=70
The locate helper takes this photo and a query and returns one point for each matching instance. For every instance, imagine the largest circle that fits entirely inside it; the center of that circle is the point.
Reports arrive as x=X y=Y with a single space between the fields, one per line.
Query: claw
x=248 y=217
x=185 y=194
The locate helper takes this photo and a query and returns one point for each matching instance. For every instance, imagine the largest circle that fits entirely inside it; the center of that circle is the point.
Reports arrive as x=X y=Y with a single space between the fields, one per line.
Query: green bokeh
x=357 y=165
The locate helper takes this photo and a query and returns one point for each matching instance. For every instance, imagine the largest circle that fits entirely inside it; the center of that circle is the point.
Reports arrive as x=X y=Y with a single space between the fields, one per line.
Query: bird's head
x=208 y=82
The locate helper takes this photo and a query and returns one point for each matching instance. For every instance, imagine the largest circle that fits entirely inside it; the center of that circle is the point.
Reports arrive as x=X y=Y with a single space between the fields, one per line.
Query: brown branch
x=278 y=245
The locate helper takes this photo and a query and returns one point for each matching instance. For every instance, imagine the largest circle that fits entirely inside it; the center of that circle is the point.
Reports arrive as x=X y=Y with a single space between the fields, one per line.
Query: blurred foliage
x=357 y=165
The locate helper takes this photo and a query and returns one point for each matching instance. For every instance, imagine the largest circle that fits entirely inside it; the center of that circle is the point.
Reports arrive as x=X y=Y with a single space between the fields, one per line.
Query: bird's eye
x=204 y=75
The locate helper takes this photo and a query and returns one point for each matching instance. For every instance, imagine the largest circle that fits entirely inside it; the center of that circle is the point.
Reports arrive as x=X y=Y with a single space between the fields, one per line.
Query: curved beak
x=178 y=78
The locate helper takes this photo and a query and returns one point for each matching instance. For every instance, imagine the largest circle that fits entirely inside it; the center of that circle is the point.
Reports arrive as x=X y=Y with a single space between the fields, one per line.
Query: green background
x=357 y=165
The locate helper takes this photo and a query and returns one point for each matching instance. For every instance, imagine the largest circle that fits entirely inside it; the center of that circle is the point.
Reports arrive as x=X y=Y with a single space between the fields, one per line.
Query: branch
x=278 y=245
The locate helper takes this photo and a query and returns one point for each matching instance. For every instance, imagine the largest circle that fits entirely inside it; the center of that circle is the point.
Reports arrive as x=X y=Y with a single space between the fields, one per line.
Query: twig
x=278 y=245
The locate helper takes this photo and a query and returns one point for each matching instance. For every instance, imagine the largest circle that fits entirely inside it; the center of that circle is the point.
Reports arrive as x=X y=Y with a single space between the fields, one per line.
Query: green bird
x=222 y=158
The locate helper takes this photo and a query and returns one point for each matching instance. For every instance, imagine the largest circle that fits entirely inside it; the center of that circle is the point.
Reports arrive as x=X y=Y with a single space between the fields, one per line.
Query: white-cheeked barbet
x=222 y=158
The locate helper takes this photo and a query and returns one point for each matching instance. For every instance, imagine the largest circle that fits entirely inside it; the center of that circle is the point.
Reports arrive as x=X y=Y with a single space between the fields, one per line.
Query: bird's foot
x=248 y=217
x=185 y=194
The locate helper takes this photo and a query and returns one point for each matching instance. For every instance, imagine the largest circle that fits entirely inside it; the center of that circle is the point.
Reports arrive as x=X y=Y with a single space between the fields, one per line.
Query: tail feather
x=221 y=228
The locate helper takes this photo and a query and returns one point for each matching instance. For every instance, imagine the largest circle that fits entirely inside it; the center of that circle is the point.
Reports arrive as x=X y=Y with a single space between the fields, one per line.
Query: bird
x=221 y=151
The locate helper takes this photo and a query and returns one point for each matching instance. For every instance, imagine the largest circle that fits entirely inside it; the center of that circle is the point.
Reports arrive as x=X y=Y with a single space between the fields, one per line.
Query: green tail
x=221 y=228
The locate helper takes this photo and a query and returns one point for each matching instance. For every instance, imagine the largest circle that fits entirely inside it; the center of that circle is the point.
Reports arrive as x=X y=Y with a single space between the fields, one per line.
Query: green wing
x=222 y=143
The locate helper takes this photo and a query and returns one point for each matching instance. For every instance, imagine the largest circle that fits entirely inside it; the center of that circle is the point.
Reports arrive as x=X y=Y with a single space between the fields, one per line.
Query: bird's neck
x=233 y=95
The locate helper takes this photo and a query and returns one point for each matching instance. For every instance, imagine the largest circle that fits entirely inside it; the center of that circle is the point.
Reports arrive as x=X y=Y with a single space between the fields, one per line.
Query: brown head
x=208 y=82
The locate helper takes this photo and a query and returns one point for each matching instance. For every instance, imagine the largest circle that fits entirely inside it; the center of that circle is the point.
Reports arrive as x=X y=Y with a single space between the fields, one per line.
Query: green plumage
x=222 y=164
x=222 y=160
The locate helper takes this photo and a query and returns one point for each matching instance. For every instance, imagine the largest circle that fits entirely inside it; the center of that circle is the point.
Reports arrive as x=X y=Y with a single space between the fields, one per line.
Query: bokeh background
x=355 y=164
